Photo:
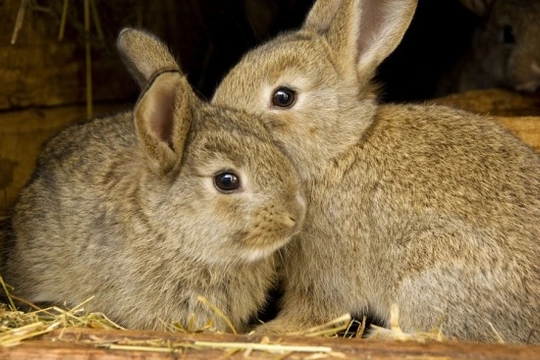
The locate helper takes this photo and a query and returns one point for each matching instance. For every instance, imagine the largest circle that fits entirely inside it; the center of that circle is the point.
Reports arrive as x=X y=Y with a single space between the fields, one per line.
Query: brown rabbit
x=431 y=208
x=505 y=48
x=147 y=210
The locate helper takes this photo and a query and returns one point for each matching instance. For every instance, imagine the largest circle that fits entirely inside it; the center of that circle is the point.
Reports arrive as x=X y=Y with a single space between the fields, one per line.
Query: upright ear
x=162 y=118
x=361 y=32
x=144 y=55
x=479 y=7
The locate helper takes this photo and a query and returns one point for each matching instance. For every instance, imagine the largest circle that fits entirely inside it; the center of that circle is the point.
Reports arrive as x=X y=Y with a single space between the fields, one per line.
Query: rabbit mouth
x=258 y=254
x=531 y=82
x=262 y=248
x=530 y=86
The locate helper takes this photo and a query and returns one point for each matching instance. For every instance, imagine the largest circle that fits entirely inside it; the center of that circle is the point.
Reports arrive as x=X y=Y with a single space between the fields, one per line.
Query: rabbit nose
x=293 y=224
x=289 y=221
x=535 y=68
x=529 y=86
x=533 y=83
x=298 y=213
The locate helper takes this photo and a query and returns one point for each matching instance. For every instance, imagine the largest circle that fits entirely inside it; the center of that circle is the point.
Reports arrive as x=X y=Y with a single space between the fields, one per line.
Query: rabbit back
x=437 y=211
x=69 y=181
x=469 y=204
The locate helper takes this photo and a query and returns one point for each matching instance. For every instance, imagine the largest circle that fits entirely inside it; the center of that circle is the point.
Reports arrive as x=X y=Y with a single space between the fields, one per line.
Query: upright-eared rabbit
x=431 y=208
x=504 y=51
x=147 y=210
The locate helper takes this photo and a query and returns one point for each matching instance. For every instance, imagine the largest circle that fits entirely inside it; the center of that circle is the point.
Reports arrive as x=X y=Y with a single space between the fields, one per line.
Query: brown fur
x=490 y=62
x=124 y=208
x=427 y=207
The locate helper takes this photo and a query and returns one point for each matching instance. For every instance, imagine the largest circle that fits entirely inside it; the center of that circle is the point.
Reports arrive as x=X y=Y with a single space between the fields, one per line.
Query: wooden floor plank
x=81 y=344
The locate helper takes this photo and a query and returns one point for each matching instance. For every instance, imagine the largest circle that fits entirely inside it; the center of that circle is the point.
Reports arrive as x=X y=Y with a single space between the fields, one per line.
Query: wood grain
x=40 y=70
x=80 y=344
x=494 y=102
x=526 y=127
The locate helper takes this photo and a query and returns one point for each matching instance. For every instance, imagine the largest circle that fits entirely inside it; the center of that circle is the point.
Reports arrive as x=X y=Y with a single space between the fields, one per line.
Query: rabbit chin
x=250 y=255
x=246 y=252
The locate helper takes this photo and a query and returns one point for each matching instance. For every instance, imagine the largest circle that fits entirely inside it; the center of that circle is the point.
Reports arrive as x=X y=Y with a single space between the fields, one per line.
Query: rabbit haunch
x=427 y=207
x=133 y=209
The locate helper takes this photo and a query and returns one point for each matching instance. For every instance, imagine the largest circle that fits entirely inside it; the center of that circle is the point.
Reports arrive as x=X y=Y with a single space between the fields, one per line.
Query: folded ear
x=144 y=55
x=479 y=7
x=162 y=118
x=361 y=32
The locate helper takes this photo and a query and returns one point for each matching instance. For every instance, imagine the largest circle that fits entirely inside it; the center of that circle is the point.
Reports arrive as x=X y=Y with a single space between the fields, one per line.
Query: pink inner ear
x=375 y=24
x=160 y=117
x=159 y=106
x=160 y=120
x=479 y=7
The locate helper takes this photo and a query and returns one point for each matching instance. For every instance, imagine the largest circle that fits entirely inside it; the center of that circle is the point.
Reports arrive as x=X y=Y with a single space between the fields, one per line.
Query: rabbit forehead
x=219 y=151
x=522 y=14
x=295 y=62
x=217 y=118
x=228 y=139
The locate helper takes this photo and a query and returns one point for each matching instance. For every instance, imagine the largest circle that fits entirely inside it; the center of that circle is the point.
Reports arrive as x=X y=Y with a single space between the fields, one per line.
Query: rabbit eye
x=508 y=35
x=284 y=97
x=226 y=182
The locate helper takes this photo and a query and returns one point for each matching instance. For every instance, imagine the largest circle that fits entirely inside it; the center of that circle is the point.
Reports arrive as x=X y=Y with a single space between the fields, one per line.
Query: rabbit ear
x=144 y=55
x=479 y=7
x=362 y=32
x=163 y=118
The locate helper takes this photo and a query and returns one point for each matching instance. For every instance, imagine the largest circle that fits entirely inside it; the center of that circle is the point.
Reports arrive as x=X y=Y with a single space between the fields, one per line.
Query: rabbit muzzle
x=276 y=227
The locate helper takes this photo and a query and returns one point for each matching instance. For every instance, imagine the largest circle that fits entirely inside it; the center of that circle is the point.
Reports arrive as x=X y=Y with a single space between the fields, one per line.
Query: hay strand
x=361 y=329
x=273 y=348
x=328 y=329
x=497 y=335
x=88 y=59
x=19 y=21
x=396 y=333
x=8 y=295
x=16 y=326
x=63 y=20
x=97 y=21
x=218 y=313
x=230 y=348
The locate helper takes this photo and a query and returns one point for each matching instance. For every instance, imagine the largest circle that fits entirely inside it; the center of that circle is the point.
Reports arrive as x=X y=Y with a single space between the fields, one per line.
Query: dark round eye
x=508 y=35
x=284 y=97
x=227 y=182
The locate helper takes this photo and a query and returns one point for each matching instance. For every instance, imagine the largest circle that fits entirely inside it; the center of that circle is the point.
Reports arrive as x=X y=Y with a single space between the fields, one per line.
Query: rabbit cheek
x=247 y=239
x=287 y=128
x=272 y=228
x=278 y=122
x=524 y=70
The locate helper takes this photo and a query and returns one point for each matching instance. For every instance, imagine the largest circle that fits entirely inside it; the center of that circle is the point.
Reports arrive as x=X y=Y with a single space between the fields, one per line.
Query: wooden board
x=527 y=128
x=520 y=113
x=86 y=344
x=494 y=102
x=40 y=70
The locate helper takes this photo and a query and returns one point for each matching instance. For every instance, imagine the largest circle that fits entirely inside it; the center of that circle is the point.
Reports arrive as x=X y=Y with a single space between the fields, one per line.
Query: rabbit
x=504 y=51
x=430 y=208
x=148 y=209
